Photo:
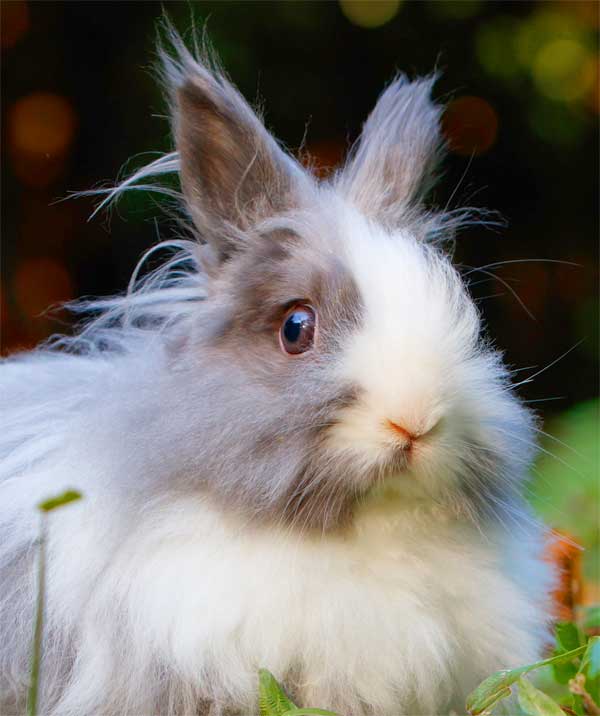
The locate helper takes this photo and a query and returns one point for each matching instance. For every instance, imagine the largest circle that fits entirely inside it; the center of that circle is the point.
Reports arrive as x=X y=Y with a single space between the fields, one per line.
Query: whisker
x=559 y=442
x=491 y=295
x=523 y=261
x=460 y=181
x=525 y=367
x=554 y=362
x=513 y=436
x=509 y=287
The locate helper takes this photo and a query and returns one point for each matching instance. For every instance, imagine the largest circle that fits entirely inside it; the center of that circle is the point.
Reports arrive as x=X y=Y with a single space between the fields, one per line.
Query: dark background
x=521 y=79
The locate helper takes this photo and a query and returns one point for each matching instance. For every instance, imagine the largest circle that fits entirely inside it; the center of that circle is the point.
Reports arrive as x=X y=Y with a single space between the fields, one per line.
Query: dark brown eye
x=297 y=331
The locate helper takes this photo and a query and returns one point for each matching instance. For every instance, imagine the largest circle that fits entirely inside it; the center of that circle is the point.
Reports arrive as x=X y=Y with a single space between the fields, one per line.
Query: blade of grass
x=36 y=651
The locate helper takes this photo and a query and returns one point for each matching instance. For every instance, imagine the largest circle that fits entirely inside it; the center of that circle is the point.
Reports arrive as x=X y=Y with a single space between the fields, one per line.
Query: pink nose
x=407 y=437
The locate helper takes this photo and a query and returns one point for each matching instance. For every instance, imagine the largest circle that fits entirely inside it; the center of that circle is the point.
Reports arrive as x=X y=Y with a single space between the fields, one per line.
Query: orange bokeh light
x=41 y=123
x=40 y=283
x=41 y=128
x=14 y=22
x=564 y=554
x=470 y=125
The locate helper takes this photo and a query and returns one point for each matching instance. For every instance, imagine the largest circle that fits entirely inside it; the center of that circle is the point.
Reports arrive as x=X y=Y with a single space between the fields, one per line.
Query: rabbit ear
x=232 y=170
x=392 y=165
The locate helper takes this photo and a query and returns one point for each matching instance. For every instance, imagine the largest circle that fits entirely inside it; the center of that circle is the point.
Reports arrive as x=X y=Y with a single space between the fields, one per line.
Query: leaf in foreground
x=272 y=700
x=497 y=686
x=535 y=702
x=590 y=668
x=568 y=637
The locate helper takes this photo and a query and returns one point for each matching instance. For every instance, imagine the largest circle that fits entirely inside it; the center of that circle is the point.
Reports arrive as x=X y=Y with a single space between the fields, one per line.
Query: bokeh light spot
x=470 y=125
x=41 y=123
x=14 y=22
x=558 y=70
x=40 y=283
x=542 y=27
x=369 y=13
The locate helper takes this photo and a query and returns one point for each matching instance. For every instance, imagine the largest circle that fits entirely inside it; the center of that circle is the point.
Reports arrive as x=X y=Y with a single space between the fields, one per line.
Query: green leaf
x=490 y=691
x=59 y=500
x=497 y=686
x=590 y=667
x=272 y=700
x=535 y=702
x=568 y=636
x=563 y=672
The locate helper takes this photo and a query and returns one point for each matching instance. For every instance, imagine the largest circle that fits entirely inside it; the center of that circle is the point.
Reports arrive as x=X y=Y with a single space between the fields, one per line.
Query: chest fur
x=401 y=615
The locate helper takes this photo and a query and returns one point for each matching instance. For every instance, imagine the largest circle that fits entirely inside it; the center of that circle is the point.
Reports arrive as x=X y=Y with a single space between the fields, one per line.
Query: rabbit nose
x=406 y=437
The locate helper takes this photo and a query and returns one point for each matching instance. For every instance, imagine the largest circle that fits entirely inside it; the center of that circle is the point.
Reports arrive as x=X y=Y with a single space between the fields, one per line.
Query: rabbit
x=296 y=445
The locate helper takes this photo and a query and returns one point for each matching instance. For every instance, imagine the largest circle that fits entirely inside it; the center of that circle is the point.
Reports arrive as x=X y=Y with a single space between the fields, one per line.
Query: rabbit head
x=337 y=352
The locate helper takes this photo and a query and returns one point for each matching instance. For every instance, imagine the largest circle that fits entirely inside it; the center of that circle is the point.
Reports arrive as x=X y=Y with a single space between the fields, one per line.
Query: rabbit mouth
x=398 y=461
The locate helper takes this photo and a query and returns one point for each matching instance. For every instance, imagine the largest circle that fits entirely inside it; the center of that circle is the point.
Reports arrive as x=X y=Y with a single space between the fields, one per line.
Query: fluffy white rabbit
x=296 y=447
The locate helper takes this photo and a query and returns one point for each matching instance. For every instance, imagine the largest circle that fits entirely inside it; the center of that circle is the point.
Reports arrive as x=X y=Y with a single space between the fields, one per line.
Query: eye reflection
x=297 y=331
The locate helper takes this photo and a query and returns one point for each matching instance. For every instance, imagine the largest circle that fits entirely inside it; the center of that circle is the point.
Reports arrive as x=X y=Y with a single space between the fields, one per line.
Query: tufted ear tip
x=392 y=165
x=232 y=170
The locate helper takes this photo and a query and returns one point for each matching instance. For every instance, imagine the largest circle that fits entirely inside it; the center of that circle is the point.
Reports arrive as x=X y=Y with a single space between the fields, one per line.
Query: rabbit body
x=247 y=508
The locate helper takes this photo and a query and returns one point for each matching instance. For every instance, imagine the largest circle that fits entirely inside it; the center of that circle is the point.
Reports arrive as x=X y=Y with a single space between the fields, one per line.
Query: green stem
x=36 y=654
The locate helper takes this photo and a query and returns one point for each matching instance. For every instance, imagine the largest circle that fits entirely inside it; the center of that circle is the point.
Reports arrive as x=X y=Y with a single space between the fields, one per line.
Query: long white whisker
x=559 y=442
x=509 y=287
x=523 y=261
x=554 y=362
x=513 y=436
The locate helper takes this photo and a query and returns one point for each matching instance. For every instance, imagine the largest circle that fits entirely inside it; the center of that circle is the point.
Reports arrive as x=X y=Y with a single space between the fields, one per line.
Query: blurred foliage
x=568 y=681
x=565 y=489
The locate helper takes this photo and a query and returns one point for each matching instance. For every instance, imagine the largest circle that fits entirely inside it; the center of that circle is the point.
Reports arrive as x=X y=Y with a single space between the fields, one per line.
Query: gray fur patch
x=292 y=400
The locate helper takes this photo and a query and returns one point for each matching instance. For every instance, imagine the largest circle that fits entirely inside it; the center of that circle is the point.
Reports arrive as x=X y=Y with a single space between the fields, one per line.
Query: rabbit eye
x=297 y=331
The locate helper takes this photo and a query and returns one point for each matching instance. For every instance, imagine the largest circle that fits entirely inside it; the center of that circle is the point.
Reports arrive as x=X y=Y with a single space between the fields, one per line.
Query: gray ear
x=392 y=165
x=233 y=172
